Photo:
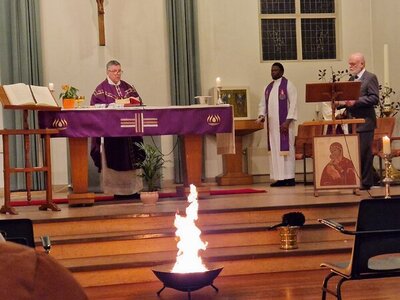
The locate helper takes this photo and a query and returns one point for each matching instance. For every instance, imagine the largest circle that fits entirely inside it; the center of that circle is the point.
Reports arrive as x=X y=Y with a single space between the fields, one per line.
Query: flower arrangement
x=387 y=107
x=335 y=75
x=68 y=92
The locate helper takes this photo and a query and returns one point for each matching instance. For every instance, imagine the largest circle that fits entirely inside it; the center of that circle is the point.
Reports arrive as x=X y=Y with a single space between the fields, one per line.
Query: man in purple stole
x=279 y=106
x=117 y=162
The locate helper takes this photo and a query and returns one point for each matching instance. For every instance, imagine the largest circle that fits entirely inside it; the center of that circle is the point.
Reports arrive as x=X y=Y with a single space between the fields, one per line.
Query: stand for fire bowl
x=187 y=282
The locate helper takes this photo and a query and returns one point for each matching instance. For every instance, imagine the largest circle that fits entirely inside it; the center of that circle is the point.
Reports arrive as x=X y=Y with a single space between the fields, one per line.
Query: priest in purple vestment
x=118 y=159
x=279 y=106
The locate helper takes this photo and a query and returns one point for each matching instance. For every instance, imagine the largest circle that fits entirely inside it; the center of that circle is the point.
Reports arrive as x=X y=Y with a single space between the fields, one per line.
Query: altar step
x=154 y=240
x=106 y=250
x=254 y=259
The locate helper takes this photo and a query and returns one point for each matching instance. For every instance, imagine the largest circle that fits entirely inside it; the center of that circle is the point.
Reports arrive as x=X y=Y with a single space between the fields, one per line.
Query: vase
x=149 y=198
x=68 y=103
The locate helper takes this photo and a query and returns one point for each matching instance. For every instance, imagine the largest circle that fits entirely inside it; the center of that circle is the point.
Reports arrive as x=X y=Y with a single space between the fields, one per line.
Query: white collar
x=359 y=75
x=111 y=82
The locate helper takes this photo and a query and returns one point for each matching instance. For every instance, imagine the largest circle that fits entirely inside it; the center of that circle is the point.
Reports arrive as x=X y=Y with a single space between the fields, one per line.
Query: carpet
x=162 y=196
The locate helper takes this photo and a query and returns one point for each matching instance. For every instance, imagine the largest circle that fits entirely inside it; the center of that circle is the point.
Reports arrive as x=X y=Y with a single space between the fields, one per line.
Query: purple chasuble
x=121 y=153
x=283 y=109
x=106 y=93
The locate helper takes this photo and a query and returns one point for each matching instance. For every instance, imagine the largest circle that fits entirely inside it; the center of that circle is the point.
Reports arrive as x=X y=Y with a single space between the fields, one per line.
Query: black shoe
x=278 y=183
x=127 y=197
x=290 y=182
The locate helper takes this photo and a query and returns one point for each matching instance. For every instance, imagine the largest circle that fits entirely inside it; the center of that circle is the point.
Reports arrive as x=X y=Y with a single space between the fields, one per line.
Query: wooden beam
x=100 y=14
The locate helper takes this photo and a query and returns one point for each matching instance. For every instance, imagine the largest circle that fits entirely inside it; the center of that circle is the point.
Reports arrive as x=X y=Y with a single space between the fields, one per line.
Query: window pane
x=277 y=6
x=318 y=38
x=317 y=6
x=279 y=39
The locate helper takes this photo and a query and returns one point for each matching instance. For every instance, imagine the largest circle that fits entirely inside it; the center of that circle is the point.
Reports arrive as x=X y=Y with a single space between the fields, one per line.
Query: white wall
x=136 y=35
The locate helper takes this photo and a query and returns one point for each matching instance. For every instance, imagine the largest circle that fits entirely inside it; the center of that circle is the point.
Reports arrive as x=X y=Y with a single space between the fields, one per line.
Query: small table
x=233 y=163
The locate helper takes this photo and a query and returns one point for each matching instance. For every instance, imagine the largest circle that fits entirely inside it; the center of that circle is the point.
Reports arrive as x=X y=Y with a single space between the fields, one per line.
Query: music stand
x=333 y=91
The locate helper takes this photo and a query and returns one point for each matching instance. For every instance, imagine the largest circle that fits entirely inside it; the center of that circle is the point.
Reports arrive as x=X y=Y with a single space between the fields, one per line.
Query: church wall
x=136 y=35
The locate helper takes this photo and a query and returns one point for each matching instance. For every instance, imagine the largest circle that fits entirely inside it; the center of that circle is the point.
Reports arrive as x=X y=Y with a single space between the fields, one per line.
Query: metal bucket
x=288 y=236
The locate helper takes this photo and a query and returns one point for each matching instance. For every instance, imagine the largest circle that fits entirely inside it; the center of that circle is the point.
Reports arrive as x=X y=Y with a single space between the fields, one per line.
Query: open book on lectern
x=21 y=94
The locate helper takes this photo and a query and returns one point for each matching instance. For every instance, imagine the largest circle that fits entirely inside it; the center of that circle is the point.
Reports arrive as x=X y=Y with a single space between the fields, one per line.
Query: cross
x=100 y=13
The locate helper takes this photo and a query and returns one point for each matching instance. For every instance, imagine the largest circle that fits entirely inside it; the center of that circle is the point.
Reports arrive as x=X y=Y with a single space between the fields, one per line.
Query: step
x=136 y=268
x=164 y=239
x=155 y=220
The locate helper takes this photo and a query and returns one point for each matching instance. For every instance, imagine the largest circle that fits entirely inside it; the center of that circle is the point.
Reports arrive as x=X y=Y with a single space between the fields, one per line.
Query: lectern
x=28 y=169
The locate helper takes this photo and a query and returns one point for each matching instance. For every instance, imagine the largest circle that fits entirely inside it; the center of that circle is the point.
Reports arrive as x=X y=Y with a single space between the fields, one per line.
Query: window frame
x=298 y=16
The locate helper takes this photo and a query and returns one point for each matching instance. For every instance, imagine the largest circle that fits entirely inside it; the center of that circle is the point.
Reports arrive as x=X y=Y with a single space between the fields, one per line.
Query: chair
x=303 y=144
x=376 y=241
x=19 y=231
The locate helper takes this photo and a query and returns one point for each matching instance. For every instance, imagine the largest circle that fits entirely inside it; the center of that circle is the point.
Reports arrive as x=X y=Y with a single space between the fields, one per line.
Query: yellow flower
x=69 y=92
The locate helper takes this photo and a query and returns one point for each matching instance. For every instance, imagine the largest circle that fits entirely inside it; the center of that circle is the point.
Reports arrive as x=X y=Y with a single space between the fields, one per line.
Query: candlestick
x=387 y=180
x=218 y=82
x=386 y=145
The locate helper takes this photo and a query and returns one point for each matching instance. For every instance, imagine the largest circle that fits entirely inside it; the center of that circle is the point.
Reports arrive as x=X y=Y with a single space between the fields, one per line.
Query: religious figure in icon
x=339 y=170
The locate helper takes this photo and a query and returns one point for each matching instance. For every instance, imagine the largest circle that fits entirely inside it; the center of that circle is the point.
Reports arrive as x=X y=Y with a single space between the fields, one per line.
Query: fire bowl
x=186 y=282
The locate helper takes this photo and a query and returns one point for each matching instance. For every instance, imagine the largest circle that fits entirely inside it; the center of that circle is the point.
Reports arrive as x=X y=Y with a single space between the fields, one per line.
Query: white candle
x=317 y=108
x=386 y=145
x=385 y=65
x=218 y=82
x=51 y=86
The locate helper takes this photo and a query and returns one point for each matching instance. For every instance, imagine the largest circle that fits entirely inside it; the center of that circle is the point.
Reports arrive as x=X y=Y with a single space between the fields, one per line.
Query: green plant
x=151 y=166
x=335 y=75
x=384 y=107
x=68 y=92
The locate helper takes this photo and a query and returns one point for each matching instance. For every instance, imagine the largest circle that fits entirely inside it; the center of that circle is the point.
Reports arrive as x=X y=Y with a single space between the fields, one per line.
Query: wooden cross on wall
x=100 y=15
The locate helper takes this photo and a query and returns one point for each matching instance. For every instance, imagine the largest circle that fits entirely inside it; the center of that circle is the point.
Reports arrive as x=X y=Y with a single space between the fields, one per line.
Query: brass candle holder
x=387 y=180
x=219 y=101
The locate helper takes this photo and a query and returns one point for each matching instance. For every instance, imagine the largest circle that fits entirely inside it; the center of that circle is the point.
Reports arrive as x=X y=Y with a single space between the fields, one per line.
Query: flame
x=190 y=243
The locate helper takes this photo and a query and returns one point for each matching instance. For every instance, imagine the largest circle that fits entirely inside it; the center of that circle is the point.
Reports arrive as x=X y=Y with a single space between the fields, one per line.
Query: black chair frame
x=376 y=240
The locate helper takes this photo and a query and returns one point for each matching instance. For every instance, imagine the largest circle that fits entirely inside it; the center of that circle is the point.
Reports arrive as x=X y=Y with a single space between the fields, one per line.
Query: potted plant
x=151 y=173
x=68 y=95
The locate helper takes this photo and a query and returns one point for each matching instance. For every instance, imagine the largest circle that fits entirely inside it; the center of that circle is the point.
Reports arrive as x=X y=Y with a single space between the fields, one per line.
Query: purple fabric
x=121 y=153
x=139 y=121
x=106 y=93
x=283 y=109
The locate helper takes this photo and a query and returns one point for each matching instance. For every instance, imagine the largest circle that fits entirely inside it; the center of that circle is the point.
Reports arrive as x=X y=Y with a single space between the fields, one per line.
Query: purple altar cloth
x=139 y=121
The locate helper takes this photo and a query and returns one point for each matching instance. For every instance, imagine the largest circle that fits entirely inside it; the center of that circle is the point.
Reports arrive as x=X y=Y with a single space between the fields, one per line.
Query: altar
x=190 y=122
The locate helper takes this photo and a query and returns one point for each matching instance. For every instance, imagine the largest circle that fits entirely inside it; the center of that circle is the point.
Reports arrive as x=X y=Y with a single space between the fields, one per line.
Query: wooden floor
x=289 y=285
x=277 y=286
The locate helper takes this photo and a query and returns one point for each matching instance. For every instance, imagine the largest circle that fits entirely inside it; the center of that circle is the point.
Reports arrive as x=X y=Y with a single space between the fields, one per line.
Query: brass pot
x=288 y=236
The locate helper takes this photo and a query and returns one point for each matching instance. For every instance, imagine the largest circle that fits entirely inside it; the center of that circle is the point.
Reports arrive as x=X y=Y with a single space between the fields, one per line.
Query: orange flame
x=190 y=243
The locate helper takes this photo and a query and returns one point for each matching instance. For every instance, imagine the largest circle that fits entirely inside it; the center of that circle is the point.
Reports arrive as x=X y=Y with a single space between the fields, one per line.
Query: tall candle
x=218 y=82
x=51 y=86
x=386 y=145
x=386 y=65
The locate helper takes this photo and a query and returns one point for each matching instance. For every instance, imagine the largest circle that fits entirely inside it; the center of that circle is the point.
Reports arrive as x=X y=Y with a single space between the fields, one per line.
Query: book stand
x=332 y=92
x=27 y=169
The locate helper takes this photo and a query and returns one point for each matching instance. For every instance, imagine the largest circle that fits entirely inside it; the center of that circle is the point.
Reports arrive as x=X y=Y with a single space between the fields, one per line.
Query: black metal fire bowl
x=186 y=282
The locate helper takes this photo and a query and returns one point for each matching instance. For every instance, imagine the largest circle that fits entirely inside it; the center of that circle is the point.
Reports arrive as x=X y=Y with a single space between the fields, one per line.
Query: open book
x=23 y=94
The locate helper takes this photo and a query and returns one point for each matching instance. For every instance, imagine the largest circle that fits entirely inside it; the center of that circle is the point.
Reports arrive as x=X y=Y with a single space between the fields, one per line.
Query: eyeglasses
x=116 y=71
